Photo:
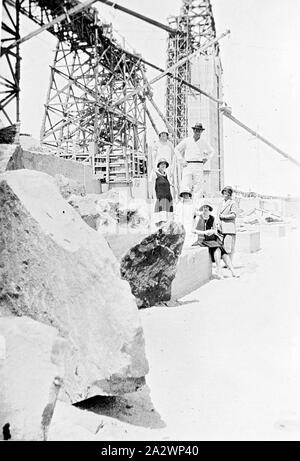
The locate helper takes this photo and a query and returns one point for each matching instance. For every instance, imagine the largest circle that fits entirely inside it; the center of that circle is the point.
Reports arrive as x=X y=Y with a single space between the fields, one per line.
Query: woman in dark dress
x=208 y=236
x=163 y=211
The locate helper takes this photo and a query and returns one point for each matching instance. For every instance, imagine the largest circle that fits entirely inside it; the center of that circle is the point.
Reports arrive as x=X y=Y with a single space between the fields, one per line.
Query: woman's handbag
x=227 y=226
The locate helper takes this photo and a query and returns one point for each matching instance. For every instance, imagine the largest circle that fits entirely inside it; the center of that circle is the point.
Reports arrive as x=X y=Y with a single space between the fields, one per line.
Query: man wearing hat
x=193 y=152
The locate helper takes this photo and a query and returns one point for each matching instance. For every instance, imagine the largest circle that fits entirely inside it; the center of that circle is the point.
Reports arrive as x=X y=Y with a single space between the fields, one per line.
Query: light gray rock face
x=6 y=151
x=31 y=371
x=150 y=266
x=57 y=270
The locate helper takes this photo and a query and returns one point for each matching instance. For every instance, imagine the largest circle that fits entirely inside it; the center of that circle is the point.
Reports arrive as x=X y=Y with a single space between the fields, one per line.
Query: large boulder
x=57 y=270
x=45 y=160
x=31 y=373
x=112 y=211
x=69 y=186
x=150 y=266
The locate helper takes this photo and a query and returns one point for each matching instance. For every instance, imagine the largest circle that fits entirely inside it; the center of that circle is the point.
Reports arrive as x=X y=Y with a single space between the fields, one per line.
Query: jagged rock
x=31 y=370
x=111 y=210
x=57 y=270
x=150 y=266
x=120 y=244
x=69 y=186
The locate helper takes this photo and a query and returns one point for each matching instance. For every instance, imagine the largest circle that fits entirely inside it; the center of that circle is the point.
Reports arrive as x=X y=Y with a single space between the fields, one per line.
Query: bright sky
x=261 y=80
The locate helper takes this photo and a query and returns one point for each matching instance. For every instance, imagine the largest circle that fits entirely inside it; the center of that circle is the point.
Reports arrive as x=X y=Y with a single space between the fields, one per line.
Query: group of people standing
x=218 y=232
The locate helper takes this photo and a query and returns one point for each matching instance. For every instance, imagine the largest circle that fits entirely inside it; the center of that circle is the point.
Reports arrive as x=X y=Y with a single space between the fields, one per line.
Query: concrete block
x=248 y=242
x=194 y=268
x=282 y=231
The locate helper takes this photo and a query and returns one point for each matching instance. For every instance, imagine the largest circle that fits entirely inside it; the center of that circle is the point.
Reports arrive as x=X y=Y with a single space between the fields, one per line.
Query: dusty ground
x=224 y=365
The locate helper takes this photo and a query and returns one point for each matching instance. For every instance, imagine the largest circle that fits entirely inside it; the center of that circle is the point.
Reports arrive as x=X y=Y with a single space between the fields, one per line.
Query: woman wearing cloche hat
x=208 y=236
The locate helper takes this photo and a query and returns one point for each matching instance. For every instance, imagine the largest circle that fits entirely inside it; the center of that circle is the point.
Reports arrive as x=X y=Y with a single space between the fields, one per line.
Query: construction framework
x=89 y=73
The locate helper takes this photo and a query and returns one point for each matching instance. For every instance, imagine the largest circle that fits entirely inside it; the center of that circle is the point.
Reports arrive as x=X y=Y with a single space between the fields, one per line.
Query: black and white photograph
x=149 y=223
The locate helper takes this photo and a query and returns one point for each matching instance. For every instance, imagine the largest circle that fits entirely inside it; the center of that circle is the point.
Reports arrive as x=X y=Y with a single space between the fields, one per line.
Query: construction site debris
x=150 y=266
x=112 y=211
x=57 y=270
x=32 y=363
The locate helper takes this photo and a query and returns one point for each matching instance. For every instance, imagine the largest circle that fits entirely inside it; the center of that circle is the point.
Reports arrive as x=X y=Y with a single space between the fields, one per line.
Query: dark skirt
x=212 y=245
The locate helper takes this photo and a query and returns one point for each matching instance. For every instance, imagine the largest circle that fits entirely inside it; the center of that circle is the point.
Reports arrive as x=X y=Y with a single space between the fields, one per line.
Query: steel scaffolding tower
x=196 y=27
x=90 y=72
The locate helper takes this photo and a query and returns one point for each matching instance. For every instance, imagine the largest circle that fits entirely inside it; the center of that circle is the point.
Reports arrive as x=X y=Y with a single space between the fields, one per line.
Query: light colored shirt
x=190 y=150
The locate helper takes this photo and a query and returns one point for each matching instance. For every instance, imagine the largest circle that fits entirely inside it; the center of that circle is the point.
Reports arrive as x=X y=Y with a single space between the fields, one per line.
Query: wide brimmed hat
x=228 y=188
x=162 y=160
x=198 y=126
x=206 y=203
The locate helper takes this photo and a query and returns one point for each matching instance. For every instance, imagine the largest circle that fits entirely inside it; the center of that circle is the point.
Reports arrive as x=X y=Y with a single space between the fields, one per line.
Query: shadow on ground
x=176 y=303
x=135 y=408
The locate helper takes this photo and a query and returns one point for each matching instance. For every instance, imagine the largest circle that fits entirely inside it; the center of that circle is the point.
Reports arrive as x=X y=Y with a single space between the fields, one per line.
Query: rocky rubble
x=57 y=270
x=69 y=186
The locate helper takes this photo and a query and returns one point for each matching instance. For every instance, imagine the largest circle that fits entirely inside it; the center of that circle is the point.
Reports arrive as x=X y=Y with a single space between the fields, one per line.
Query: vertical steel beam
x=10 y=63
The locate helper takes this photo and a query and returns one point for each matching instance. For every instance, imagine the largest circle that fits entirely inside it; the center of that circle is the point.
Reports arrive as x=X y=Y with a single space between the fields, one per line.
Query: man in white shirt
x=193 y=152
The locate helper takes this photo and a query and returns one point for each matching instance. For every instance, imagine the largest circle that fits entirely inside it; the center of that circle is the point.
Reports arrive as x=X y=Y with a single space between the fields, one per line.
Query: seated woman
x=208 y=236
